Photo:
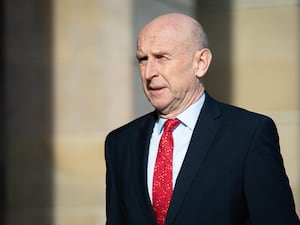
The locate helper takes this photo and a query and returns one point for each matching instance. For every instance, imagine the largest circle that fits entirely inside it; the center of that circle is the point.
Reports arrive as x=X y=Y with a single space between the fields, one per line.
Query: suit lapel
x=202 y=137
x=140 y=150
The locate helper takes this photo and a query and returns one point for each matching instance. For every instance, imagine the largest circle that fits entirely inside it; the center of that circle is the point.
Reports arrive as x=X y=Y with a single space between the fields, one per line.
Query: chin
x=159 y=107
x=159 y=103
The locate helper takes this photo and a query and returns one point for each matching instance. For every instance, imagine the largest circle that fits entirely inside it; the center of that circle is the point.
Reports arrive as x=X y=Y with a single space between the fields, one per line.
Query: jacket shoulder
x=238 y=114
x=134 y=125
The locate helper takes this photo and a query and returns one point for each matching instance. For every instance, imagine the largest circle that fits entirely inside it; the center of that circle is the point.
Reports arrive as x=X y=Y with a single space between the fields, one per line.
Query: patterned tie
x=162 y=177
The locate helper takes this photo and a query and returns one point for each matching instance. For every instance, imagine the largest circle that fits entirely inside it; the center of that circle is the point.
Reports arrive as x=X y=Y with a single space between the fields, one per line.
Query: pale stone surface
x=92 y=65
x=265 y=58
x=79 y=180
x=92 y=95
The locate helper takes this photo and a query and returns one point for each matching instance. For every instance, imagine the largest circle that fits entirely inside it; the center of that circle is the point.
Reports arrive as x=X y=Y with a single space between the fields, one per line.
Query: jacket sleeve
x=268 y=193
x=113 y=208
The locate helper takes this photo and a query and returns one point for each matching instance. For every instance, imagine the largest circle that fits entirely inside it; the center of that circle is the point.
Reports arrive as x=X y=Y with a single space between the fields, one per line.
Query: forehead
x=160 y=38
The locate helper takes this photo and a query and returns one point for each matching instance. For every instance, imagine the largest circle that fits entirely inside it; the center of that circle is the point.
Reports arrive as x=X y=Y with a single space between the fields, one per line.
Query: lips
x=156 y=87
x=156 y=90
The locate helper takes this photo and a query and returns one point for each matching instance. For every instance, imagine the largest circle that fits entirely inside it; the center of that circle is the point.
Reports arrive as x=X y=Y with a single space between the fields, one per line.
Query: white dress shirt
x=181 y=135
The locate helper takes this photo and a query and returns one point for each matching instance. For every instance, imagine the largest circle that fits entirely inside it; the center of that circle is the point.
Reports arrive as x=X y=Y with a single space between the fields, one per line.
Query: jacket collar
x=204 y=132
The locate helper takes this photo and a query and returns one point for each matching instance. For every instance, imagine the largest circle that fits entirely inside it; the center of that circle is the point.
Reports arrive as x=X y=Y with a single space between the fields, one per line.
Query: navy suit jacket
x=232 y=174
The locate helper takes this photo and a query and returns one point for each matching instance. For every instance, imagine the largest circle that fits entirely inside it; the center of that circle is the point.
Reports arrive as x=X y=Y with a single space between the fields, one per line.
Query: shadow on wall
x=215 y=17
x=26 y=116
x=298 y=144
x=2 y=128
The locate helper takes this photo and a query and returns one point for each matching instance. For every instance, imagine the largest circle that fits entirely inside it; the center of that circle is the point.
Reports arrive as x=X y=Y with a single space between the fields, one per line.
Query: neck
x=172 y=114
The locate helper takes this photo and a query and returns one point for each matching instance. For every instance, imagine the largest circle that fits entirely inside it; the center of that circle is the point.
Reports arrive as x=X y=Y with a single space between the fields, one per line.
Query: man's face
x=167 y=65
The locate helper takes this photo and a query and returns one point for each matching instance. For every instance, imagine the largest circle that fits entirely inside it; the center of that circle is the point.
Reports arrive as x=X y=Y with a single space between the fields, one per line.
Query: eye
x=142 y=59
x=161 y=57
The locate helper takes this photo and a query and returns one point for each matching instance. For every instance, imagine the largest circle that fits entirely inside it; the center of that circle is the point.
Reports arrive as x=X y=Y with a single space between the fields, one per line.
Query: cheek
x=181 y=77
x=141 y=73
x=142 y=76
x=184 y=85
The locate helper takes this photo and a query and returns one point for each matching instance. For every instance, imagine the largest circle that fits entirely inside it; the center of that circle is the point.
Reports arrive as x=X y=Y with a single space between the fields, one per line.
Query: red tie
x=162 y=177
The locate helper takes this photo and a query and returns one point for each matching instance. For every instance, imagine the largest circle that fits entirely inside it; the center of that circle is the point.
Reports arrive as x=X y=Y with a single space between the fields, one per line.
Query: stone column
x=92 y=95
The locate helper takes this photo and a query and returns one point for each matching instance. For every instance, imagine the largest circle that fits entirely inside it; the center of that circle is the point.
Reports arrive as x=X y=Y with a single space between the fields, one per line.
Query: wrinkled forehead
x=161 y=34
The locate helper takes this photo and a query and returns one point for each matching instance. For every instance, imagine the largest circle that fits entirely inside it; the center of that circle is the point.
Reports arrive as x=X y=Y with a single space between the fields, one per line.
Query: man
x=219 y=165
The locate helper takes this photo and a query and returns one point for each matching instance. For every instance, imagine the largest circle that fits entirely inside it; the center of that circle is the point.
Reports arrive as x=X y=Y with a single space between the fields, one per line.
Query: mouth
x=157 y=90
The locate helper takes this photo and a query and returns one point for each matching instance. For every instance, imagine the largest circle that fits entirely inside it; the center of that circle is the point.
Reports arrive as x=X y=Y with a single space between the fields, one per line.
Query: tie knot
x=171 y=124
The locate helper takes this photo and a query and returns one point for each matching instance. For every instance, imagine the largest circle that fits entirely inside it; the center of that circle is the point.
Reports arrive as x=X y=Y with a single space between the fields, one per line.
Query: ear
x=202 y=59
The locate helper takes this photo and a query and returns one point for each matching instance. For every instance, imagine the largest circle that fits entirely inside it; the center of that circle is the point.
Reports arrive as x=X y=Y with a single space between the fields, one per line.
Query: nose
x=150 y=69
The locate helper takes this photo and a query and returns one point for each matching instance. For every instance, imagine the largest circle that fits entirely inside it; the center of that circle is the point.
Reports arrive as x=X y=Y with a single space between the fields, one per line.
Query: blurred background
x=69 y=76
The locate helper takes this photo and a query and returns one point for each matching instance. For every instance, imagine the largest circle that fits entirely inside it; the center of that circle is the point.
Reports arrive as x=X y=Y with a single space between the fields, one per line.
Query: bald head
x=179 y=26
x=173 y=58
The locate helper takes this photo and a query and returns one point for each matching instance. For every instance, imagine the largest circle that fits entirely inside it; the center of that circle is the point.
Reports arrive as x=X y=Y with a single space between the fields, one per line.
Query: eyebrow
x=160 y=52
x=139 y=54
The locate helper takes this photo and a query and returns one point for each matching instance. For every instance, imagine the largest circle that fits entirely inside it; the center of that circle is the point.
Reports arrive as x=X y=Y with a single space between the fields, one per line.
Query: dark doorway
x=26 y=113
x=215 y=17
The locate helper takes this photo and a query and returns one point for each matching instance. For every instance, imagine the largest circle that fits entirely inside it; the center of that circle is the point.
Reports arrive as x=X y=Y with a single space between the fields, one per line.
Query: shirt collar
x=188 y=117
